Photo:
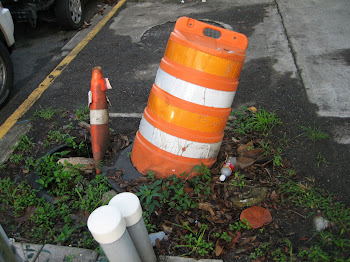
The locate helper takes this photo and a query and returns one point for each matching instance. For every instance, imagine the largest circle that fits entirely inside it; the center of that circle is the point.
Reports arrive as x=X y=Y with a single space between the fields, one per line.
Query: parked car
x=69 y=13
x=6 y=44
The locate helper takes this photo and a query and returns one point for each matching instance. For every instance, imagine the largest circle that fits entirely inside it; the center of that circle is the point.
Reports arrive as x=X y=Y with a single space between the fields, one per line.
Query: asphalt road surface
x=37 y=52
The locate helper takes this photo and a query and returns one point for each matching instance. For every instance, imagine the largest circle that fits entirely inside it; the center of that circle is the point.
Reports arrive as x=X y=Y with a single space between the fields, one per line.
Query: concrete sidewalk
x=53 y=253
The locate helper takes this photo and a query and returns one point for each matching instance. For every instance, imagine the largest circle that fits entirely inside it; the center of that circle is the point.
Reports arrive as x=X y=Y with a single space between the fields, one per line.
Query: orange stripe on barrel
x=202 y=61
x=186 y=114
x=151 y=158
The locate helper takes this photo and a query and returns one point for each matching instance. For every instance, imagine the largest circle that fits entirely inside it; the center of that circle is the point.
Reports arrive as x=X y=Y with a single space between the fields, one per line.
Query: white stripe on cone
x=177 y=146
x=193 y=93
x=99 y=117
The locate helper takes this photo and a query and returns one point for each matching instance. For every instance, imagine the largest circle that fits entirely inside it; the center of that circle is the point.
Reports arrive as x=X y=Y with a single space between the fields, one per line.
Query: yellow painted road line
x=35 y=95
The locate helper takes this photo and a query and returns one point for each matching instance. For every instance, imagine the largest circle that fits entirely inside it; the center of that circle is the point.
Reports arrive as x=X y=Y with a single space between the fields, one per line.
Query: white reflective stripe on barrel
x=193 y=93
x=99 y=117
x=177 y=146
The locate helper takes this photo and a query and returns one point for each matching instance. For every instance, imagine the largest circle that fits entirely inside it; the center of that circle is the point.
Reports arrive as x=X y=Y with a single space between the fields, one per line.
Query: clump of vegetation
x=247 y=121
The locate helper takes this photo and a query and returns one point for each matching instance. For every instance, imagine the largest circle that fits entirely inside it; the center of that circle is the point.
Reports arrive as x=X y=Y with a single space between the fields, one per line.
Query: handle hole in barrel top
x=212 y=33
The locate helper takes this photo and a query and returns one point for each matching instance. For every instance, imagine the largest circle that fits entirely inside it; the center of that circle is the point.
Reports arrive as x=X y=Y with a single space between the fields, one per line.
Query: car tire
x=6 y=73
x=70 y=13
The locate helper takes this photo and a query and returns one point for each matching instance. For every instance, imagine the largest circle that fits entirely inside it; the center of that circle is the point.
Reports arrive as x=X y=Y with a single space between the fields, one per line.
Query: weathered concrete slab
x=183 y=259
x=28 y=252
x=54 y=253
x=319 y=35
x=11 y=139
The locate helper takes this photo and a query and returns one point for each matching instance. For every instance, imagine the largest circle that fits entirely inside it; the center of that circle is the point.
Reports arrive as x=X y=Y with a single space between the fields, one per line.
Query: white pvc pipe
x=108 y=228
x=130 y=207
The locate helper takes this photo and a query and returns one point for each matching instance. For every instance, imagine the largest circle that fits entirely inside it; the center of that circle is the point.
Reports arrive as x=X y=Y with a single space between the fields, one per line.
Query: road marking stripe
x=35 y=95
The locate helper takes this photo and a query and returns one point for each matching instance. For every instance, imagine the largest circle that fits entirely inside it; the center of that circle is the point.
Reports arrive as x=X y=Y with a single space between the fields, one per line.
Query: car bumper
x=7 y=26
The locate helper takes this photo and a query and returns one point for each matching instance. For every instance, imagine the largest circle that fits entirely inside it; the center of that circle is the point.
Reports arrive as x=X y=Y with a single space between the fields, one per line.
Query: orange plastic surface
x=146 y=157
x=204 y=62
x=98 y=90
x=186 y=114
x=181 y=132
x=99 y=133
x=197 y=77
x=191 y=32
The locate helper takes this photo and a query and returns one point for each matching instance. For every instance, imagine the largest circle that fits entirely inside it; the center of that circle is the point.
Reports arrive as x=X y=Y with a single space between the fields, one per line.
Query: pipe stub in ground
x=106 y=224
x=129 y=206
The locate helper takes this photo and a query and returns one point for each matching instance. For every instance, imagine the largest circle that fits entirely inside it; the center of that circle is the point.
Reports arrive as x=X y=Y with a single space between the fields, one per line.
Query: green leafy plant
x=16 y=158
x=62 y=138
x=65 y=233
x=238 y=180
x=150 y=227
x=201 y=182
x=195 y=241
x=226 y=237
x=24 y=144
x=82 y=114
x=45 y=113
x=240 y=225
x=151 y=195
x=277 y=158
x=178 y=199
x=90 y=193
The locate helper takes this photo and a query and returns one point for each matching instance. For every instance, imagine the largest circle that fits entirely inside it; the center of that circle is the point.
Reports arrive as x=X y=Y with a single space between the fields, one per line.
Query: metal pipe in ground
x=130 y=207
x=108 y=228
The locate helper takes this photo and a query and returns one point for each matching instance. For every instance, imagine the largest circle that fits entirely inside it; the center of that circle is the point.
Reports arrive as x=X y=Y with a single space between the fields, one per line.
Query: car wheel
x=6 y=73
x=70 y=13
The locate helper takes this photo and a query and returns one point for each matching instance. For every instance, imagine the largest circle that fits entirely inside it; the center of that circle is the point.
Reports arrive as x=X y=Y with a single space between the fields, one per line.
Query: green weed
x=147 y=218
x=16 y=159
x=195 y=241
x=65 y=233
x=333 y=243
x=240 y=225
x=24 y=144
x=82 y=114
x=238 y=180
x=151 y=195
x=45 y=113
x=261 y=121
x=313 y=134
x=277 y=158
x=321 y=160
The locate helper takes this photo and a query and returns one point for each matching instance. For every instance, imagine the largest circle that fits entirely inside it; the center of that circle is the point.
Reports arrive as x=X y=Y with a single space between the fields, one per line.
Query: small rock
x=320 y=223
x=108 y=196
x=252 y=197
x=87 y=164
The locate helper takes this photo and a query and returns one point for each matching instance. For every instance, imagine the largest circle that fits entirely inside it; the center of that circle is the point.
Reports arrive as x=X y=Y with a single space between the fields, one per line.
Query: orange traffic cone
x=190 y=101
x=99 y=119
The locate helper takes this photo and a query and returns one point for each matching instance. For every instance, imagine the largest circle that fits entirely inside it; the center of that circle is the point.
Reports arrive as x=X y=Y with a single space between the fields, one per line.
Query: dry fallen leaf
x=218 y=250
x=244 y=148
x=256 y=216
x=247 y=240
x=244 y=162
x=252 y=109
x=254 y=153
x=207 y=207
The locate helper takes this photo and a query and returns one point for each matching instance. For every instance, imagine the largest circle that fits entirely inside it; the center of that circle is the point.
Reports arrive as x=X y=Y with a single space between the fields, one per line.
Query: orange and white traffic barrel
x=99 y=119
x=190 y=101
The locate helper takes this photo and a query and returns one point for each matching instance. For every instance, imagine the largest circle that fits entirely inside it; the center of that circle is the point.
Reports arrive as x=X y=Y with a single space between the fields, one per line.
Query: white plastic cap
x=130 y=207
x=222 y=178
x=106 y=224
